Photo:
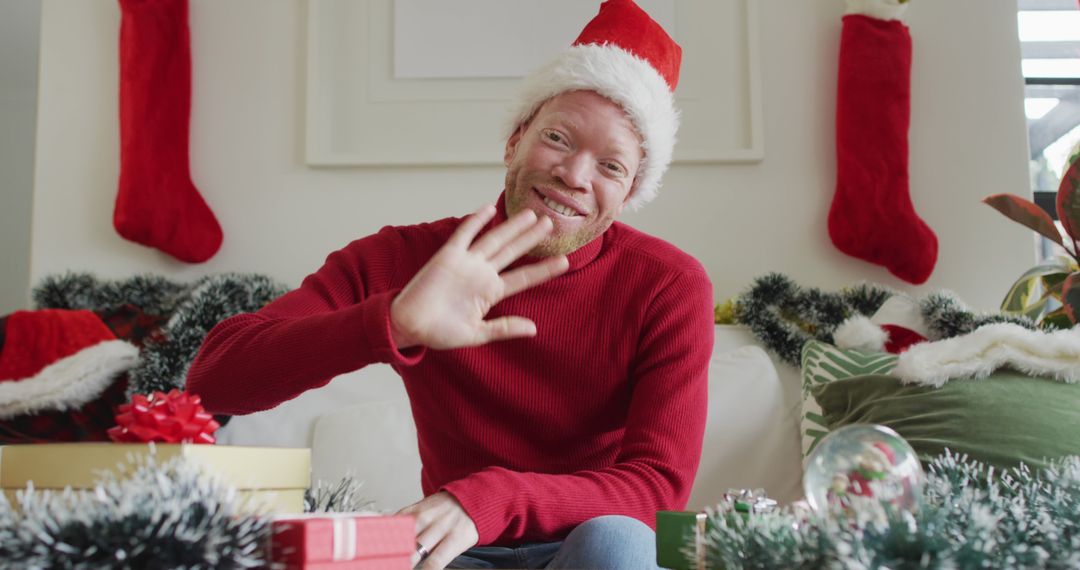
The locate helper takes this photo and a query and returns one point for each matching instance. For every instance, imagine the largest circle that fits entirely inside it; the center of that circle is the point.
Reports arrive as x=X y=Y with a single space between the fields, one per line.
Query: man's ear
x=512 y=142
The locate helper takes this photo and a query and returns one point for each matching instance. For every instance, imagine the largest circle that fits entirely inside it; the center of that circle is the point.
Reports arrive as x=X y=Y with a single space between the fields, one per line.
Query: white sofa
x=360 y=424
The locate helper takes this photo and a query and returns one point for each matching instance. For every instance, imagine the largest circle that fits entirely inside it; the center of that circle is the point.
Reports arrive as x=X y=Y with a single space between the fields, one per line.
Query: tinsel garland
x=149 y=515
x=784 y=316
x=168 y=515
x=971 y=516
x=192 y=310
x=341 y=497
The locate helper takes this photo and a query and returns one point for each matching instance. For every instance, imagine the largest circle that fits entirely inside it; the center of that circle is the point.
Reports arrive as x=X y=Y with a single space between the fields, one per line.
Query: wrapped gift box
x=274 y=478
x=343 y=540
x=676 y=532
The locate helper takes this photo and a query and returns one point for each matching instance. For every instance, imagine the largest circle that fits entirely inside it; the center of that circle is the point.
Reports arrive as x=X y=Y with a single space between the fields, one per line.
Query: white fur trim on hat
x=988 y=348
x=880 y=9
x=629 y=81
x=69 y=382
x=903 y=311
x=860 y=333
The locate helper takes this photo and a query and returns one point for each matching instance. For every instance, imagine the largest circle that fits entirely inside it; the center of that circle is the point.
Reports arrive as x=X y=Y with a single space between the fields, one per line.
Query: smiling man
x=555 y=359
x=575 y=163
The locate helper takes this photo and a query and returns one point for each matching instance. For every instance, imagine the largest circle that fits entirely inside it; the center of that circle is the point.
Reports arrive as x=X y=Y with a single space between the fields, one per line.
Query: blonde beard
x=555 y=244
x=560 y=245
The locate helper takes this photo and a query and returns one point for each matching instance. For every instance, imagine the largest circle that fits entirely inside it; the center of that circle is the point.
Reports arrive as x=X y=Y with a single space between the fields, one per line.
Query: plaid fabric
x=92 y=421
x=130 y=323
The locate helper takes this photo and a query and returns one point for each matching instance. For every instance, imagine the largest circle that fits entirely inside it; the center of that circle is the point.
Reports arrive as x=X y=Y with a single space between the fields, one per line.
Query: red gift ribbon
x=176 y=417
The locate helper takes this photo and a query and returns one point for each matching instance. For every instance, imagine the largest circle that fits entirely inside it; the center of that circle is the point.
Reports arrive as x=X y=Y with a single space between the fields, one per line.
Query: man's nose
x=574 y=172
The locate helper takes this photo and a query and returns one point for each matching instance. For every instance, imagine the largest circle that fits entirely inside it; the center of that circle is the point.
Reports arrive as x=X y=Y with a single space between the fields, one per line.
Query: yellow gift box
x=267 y=479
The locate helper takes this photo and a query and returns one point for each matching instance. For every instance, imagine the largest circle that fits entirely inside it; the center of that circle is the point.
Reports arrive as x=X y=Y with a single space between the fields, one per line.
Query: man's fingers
x=442 y=527
x=522 y=243
x=451 y=546
x=533 y=274
x=504 y=328
x=466 y=232
x=430 y=539
x=500 y=235
x=431 y=529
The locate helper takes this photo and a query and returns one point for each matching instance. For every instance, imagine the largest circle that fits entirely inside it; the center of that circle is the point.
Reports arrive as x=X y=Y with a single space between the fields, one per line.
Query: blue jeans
x=608 y=542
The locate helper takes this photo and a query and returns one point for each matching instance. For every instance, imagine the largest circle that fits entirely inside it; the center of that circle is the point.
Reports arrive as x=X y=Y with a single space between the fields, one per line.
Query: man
x=555 y=359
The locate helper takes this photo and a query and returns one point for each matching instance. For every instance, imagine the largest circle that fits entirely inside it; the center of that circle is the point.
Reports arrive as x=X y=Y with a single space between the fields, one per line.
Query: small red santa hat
x=624 y=55
x=897 y=325
x=56 y=359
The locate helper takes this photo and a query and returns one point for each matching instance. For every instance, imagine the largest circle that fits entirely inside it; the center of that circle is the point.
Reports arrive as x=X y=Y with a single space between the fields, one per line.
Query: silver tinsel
x=150 y=514
x=341 y=497
x=971 y=516
x=168 y=515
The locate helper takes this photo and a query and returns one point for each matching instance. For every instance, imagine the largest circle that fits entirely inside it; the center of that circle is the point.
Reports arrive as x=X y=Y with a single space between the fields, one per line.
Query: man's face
x=575 y=163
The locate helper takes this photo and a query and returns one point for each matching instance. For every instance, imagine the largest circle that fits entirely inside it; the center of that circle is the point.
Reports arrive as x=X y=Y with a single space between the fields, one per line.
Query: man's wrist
x=398 y=335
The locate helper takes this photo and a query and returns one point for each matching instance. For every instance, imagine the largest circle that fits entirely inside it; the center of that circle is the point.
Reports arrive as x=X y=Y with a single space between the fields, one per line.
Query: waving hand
x=445 y=303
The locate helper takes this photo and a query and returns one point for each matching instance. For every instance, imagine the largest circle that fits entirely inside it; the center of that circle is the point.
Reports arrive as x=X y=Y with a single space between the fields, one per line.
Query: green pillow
x=823 y=363
x=1002 y=420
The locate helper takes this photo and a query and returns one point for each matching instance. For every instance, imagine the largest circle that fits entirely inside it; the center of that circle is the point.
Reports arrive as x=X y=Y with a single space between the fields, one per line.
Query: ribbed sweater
x=602 y=412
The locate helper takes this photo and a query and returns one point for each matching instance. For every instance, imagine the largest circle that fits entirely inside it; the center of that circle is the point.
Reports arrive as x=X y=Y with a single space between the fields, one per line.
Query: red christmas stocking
x=872 y=217
x=157 y=205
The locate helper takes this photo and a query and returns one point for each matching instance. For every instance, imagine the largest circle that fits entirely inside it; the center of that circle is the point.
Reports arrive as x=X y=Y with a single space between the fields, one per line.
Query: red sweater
x=603 y=412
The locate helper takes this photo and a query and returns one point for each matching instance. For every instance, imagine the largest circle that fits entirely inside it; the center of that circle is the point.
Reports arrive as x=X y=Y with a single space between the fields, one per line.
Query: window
x=1050 y=61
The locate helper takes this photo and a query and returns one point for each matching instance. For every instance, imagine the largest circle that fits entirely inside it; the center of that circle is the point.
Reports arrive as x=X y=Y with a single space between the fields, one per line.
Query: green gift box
x=675 y=531
x=680 y=535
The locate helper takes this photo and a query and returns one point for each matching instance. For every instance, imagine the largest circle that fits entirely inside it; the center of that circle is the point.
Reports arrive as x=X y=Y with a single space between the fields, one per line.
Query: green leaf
x=1035 y=310
x=1020 y=293
x=1068 y=200
x=1053 y=284
x=1026 y=213
x=1057 y=320
x=1070 y=298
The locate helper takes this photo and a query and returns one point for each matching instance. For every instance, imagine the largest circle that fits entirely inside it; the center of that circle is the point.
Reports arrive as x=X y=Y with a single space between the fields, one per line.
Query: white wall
x=19 y=33
x=280 y=217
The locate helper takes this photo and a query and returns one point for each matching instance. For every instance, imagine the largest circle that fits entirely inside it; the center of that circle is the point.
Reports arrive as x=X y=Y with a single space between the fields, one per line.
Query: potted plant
x=1048 y=293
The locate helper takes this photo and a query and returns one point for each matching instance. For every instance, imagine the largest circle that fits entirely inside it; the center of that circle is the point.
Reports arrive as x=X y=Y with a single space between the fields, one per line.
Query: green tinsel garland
x=971 y=516
x=784 y=316
x=192 y=310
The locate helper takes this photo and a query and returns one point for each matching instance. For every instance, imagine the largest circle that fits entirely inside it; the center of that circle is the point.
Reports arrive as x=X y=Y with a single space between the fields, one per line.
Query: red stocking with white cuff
x=872 y=217
x=157 y=205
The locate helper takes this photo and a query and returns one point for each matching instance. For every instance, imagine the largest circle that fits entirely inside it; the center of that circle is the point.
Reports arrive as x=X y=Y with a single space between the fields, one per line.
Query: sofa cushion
x=374 y=442
x=823 y=363
x=1002 y=420
x=292 y=423
x=751 y=435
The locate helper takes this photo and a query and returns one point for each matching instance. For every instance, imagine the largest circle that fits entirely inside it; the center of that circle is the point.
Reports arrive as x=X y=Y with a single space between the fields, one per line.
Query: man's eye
x=553 y=136
x=615 y=168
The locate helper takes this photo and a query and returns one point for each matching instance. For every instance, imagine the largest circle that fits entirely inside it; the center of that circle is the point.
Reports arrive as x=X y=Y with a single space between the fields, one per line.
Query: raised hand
x=444 y=304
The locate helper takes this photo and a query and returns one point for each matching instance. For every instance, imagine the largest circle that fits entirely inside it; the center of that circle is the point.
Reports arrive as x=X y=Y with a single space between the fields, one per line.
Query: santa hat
x=627 y=57
x=897 y=325
x=56 y=359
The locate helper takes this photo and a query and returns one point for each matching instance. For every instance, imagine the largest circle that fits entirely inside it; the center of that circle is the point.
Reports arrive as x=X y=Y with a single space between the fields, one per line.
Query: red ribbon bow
x=176 y=417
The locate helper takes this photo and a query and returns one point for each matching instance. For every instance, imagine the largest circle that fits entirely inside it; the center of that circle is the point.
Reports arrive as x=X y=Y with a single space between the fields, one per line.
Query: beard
x=562 y=240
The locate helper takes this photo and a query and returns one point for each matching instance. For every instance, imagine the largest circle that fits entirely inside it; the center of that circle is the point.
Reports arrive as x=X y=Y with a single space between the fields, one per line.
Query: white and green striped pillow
x=823 y=363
